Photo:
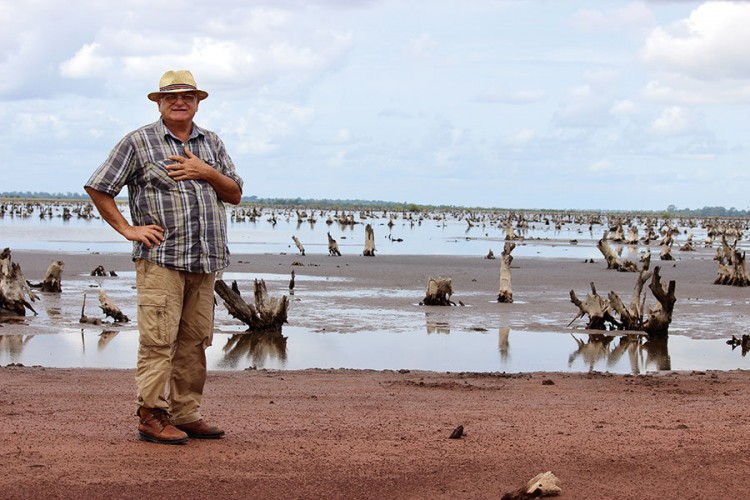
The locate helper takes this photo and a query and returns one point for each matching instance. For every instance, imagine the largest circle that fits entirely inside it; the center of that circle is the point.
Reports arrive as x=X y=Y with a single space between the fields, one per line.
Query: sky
x=525 y=104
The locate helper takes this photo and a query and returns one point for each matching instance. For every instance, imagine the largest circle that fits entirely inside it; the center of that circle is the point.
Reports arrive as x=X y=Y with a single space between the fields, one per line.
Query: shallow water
x=501 y=351
x=411 y=338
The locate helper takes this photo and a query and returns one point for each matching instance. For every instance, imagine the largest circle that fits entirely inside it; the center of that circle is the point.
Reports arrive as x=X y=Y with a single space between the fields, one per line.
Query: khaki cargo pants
x=175 y=320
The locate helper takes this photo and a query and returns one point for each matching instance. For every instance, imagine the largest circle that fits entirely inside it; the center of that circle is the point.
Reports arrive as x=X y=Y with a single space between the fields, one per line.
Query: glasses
x=186 y=98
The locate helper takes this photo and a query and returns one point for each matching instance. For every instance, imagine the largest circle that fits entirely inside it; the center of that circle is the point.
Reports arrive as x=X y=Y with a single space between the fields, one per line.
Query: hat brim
x=154 y=96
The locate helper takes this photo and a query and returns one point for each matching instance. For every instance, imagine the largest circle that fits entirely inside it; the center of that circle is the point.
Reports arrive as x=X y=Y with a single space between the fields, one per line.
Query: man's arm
x=148 y=235
x=194 y=168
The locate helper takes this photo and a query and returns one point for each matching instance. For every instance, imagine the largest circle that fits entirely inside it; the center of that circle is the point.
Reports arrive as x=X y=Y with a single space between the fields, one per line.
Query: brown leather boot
x=156 y=426
x=201 y=430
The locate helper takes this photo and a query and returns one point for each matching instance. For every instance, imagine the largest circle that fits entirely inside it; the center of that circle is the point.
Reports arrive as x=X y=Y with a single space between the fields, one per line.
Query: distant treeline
x=708 y=212
x=326 y=203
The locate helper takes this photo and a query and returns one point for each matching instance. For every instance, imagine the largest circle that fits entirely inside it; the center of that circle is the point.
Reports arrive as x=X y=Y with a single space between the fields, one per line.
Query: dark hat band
x=176 y=86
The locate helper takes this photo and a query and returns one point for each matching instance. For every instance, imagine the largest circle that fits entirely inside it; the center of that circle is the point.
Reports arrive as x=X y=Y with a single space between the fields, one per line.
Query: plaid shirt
x=192 y=215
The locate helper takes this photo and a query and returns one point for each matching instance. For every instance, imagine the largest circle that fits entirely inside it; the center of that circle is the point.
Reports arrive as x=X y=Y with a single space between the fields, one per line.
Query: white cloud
x=86 y=63
x=673 y=121
x=711 y=44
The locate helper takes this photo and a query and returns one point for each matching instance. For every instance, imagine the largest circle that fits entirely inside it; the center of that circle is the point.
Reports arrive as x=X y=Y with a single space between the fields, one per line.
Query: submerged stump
x=268 y=314
x=439 y=291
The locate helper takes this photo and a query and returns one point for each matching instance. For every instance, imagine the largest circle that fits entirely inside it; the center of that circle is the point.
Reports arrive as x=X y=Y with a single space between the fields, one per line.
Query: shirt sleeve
x=114 y=173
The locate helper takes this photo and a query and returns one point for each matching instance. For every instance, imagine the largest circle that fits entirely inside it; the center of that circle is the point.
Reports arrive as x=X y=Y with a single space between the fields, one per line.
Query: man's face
x=178 y=107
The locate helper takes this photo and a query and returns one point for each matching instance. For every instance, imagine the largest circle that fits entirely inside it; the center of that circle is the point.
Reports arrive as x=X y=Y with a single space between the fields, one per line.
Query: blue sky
x=512 y=104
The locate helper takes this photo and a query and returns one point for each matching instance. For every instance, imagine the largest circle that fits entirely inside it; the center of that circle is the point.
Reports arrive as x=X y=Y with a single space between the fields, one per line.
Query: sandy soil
x=363 y=434
x=367 y=434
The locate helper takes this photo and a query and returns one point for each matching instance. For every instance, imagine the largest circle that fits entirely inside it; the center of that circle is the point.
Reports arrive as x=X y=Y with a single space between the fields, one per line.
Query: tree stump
x=660 y=316
x=369 y=242
x=53 y=279
x=333 y=247
x=596 y=308
x=110 y=309
x=14 y=288
x=99 y=271
x=267 y=315
x=439 y=291
x=505 y=294
x=299 y=245
x=613 y=260
x=732 y=266
x=666 y=247
x=631 y=317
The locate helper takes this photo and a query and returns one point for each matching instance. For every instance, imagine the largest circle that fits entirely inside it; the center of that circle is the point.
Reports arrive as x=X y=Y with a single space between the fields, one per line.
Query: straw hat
x=177 y=81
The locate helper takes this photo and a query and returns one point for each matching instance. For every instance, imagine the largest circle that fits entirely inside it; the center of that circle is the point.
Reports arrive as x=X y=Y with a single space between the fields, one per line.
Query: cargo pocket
x=153 y=320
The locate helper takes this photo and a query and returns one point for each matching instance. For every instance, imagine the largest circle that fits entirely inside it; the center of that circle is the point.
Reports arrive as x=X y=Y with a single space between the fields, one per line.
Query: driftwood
x=439 y=291
x=299 y=245
x=291 y=284
x=110 y=309
x=14 y=288
x=613 y=260
x=505 y=294
x=660 y=316
x=369 y=242
x=545 y=484
x=333 y=247
x=490 y=255
x=267 y=315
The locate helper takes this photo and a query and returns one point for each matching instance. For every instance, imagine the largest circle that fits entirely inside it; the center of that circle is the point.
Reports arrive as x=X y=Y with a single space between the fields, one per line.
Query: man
x=178 y=176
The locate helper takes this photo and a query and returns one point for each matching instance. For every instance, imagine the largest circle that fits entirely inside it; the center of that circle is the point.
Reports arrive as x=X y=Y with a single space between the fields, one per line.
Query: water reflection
x=12 y=346
x=642 y=353
x=259 y=347
x=105 y=338
x=503 y=344
x=437 y=326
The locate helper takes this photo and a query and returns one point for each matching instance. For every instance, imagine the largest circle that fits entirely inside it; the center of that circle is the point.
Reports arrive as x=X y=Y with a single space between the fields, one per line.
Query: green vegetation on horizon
x=339 y=204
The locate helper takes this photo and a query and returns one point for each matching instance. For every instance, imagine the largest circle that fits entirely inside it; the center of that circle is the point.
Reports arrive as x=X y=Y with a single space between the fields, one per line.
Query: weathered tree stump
x=505 y=294
x=110 y=309
x=333 y=247
x=613 y=260
x=732 y=266
x=53 y=279
x=299 y=245
x=688 y=246
x=596 y=308
x=267 y=315
x=14 y=288
x=439 y=291
x=666 y=247
x=660 y=316
x=490 y=255
x=369 y=242
x=631 y=317
x=99 y=271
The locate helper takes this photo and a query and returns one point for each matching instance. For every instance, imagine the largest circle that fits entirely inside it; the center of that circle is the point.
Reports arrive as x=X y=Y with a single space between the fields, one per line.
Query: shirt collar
x=196 y=132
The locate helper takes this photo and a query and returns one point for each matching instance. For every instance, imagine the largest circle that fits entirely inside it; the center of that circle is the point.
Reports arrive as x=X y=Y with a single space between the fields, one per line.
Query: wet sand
x=384 y=434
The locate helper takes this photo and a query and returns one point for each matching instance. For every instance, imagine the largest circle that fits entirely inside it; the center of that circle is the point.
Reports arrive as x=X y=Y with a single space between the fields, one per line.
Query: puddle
x=435 y=348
